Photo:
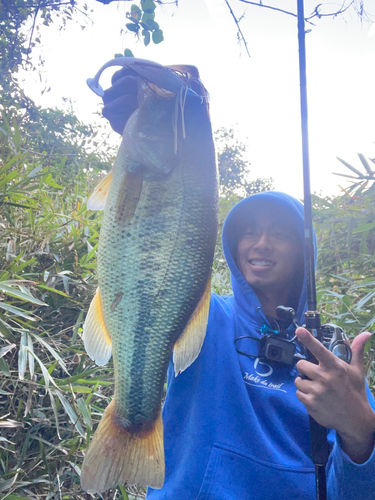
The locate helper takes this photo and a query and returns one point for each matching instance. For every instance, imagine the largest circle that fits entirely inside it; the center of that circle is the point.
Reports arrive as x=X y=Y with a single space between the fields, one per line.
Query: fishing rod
x=319 y=441
x=329 y=335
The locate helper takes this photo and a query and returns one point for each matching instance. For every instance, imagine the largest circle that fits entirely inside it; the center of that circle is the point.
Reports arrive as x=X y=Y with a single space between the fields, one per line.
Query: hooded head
x=263 y=241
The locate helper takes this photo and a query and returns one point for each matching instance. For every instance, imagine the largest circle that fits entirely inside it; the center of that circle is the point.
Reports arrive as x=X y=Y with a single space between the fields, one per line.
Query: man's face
x=269 y=252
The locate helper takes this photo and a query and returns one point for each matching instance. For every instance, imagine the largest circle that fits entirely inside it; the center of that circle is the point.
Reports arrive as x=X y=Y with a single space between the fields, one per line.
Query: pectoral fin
x=129 y=194
x=97 y=340
x=189 y=345
x=98 y=197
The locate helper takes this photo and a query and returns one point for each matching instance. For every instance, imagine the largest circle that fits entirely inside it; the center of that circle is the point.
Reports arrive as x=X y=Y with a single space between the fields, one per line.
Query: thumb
x=358 y=348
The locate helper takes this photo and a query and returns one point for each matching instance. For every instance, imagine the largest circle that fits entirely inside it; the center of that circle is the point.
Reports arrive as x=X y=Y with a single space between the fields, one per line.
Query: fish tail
x=117 y=455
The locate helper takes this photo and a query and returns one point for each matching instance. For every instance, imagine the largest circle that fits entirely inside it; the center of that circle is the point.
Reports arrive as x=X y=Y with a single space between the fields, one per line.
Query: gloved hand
x=120 y=100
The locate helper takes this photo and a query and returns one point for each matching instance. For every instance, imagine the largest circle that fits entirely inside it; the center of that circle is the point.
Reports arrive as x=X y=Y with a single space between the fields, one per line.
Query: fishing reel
x=277 y=348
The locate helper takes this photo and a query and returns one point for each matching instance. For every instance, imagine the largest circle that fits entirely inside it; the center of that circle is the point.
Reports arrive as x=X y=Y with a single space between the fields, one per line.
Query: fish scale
x=155 y=254
x=139 y=275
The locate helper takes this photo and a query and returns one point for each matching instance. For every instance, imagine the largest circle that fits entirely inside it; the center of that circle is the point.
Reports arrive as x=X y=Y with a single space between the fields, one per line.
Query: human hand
x=334 y=394
x=120 y=100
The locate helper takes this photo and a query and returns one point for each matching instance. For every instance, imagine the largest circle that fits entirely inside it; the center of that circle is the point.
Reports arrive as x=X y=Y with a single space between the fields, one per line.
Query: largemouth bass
x=155 y=255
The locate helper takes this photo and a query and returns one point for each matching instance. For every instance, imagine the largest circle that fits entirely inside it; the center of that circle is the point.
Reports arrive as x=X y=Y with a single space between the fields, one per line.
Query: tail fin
x=116 y=456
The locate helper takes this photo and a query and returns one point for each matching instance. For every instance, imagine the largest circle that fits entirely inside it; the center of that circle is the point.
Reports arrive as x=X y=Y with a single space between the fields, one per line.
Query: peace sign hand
x=334 y=394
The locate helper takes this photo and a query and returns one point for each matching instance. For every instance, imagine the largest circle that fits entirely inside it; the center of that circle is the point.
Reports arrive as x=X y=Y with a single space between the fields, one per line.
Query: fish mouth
x=261 y=263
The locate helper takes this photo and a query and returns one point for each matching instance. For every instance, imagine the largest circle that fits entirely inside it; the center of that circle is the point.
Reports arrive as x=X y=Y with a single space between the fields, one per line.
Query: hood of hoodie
x=244 y=294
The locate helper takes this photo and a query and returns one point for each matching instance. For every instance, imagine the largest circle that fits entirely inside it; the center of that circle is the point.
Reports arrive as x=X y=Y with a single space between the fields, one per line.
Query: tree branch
x=358 y=5
x=240 y=35
x=32 y=33
x=261 y=4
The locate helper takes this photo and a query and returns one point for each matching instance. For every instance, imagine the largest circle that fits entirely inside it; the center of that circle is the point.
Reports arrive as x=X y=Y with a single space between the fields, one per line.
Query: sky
x=258 y=95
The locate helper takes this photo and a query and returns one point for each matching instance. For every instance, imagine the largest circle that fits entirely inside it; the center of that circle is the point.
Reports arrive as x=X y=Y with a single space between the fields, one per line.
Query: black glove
x=120 y=100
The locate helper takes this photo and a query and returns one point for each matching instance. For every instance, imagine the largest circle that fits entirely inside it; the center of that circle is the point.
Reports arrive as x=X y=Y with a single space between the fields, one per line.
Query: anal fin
x=189 y=344
x=97 y=340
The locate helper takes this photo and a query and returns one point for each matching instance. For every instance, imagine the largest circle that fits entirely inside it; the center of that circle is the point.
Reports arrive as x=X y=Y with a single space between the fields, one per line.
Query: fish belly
x=156 y=267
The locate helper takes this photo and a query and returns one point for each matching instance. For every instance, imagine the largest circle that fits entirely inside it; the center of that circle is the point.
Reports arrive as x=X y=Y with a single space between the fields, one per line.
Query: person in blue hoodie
x=236 y=426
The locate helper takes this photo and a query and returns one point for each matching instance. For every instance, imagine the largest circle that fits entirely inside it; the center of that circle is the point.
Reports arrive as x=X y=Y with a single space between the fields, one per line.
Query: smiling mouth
x=261 y=262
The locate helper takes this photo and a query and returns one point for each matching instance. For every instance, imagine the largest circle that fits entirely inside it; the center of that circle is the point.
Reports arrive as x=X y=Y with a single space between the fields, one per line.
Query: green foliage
x=346 y=258
x=49 y=390
x=345 y=227
x=234 y=170
x=20 y=23
x=346 y=233
x=142 y=22
x=47 y=277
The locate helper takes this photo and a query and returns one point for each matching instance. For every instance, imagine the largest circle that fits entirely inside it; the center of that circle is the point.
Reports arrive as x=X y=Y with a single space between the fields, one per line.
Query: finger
x=118 y=112
x=316 y=348
x=121 y=105
x=308 y=370
x=358 y=349
x=126 y=85
x=303 y=385
x=118 y=123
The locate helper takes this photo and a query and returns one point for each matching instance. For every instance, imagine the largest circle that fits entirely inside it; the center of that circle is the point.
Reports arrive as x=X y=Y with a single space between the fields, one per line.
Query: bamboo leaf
x=17 y=311
x=76 y=327
x=71 y=413
x=16 y=497
x=10 y=424
x=4 y=330
x=4 y=367
x=30 y=356
x=90 y=255
x=365 y=164
x=124 y=493
x=28 y=297
x=47 y=377
x=347 y=165
x=6 y=349
x=8 y=178
x=52 y=351
x=44 y=287
x=365 y=227
x=85 y=412
x=363 y=301
x=56 y=413
x=8 y=483
x=22 y=356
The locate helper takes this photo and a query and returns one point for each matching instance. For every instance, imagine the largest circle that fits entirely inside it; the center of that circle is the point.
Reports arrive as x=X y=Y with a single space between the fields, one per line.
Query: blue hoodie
x=233 y=426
